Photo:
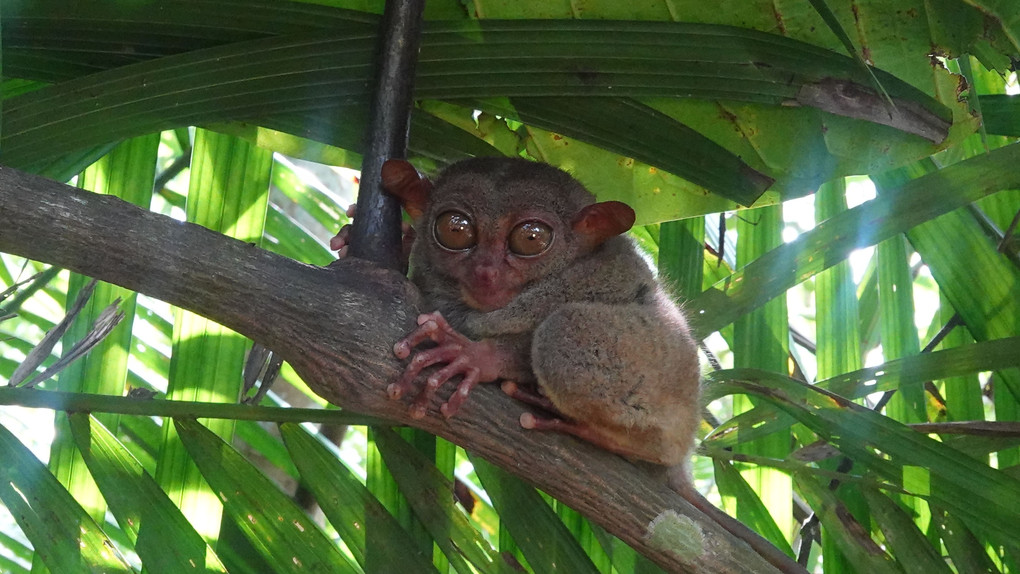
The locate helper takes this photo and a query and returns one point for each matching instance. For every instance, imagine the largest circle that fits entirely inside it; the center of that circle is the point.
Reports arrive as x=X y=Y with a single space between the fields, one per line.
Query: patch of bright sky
x=340 y=188
x=799 y=217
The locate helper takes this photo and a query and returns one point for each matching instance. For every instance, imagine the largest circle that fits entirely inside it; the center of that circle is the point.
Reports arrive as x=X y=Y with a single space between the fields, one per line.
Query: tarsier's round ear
x=399 y=178
x=600 y=221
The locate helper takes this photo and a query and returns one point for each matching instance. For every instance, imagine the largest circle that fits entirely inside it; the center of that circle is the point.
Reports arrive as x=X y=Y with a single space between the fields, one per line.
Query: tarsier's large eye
x=530 y=238
x=455 y=231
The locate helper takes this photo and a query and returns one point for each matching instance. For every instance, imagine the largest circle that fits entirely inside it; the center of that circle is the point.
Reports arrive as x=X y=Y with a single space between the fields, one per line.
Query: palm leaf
x=65 y=537
x=536 y=530
x=913 y=203
x=284 y=536
x=291 y=72
x=346 y=502
x=927 y=468
x=162 y=536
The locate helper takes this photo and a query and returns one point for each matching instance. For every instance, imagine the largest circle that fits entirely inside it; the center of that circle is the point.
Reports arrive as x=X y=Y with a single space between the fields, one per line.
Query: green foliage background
x=897 y=310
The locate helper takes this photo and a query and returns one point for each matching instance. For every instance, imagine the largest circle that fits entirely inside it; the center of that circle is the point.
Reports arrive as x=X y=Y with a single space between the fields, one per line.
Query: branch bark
x=336 y=326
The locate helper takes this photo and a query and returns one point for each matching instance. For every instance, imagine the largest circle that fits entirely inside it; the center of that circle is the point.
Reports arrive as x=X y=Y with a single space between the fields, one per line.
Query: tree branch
x=336 y=326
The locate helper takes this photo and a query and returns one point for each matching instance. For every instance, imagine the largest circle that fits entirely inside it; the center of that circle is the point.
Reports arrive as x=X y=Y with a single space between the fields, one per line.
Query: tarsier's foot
x=606 y=440
x=554 y=421
x=584 y=432
x=460 y=354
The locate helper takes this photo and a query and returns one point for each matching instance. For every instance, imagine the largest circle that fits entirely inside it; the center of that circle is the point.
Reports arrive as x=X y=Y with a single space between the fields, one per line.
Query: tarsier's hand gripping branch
x=475 y=361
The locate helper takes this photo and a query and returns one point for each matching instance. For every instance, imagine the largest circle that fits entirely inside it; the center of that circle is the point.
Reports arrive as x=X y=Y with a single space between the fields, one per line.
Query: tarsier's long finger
x=605 y=441
x=411 y=372
x=534 y=399
x=556 y=424
x=459 y=365
x=428 y=330
x=440 y=321
x=340 y=240
x=458 y=397
x=421 y=360
x=530 y=421
x=420 y=406
x=431 y=327
x=396 y=390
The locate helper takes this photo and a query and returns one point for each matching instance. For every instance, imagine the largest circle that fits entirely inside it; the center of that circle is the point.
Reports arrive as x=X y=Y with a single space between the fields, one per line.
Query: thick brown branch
x=336 y=327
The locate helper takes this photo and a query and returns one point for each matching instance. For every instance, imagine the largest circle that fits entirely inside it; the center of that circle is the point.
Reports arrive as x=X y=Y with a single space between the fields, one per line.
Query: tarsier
x=533 y=285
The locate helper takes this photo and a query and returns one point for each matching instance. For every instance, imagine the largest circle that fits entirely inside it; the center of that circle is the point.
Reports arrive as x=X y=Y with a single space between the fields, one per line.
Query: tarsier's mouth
x=486 y=299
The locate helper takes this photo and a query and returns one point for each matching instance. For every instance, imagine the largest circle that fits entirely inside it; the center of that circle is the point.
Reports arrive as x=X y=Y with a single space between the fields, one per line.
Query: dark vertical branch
x=376 y=232
x=1 y=65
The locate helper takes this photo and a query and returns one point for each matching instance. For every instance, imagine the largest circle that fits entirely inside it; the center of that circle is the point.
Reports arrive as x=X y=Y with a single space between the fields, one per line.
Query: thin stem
x=85 y=402
x=953 y=322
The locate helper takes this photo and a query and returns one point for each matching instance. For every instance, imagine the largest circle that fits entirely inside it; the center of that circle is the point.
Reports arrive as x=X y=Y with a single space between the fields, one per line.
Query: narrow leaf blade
x=64 y=536
x=163 y=538
x=346 y=502
x=535 y=527
x=430 y=495
x=283 y=535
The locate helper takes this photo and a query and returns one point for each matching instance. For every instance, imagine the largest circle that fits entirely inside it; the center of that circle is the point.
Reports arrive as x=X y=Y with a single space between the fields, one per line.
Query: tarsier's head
x=493 y=225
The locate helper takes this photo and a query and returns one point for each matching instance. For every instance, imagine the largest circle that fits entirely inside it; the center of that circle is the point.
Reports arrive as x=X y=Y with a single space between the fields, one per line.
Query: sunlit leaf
x=912 y=203
x=980 y=495
x=228 y=192
x=536 y=529
x=346 y=502
x=163 y=538
x=284 y=536
x=430 y=495
x=64 y=536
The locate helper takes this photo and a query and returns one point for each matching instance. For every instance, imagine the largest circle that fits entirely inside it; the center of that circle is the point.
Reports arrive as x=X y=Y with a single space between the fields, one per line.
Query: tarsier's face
x=494 y=225
x=494 y=258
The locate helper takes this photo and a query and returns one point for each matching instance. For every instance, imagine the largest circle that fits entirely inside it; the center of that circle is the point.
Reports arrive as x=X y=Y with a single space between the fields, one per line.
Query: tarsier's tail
x=681 y=481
